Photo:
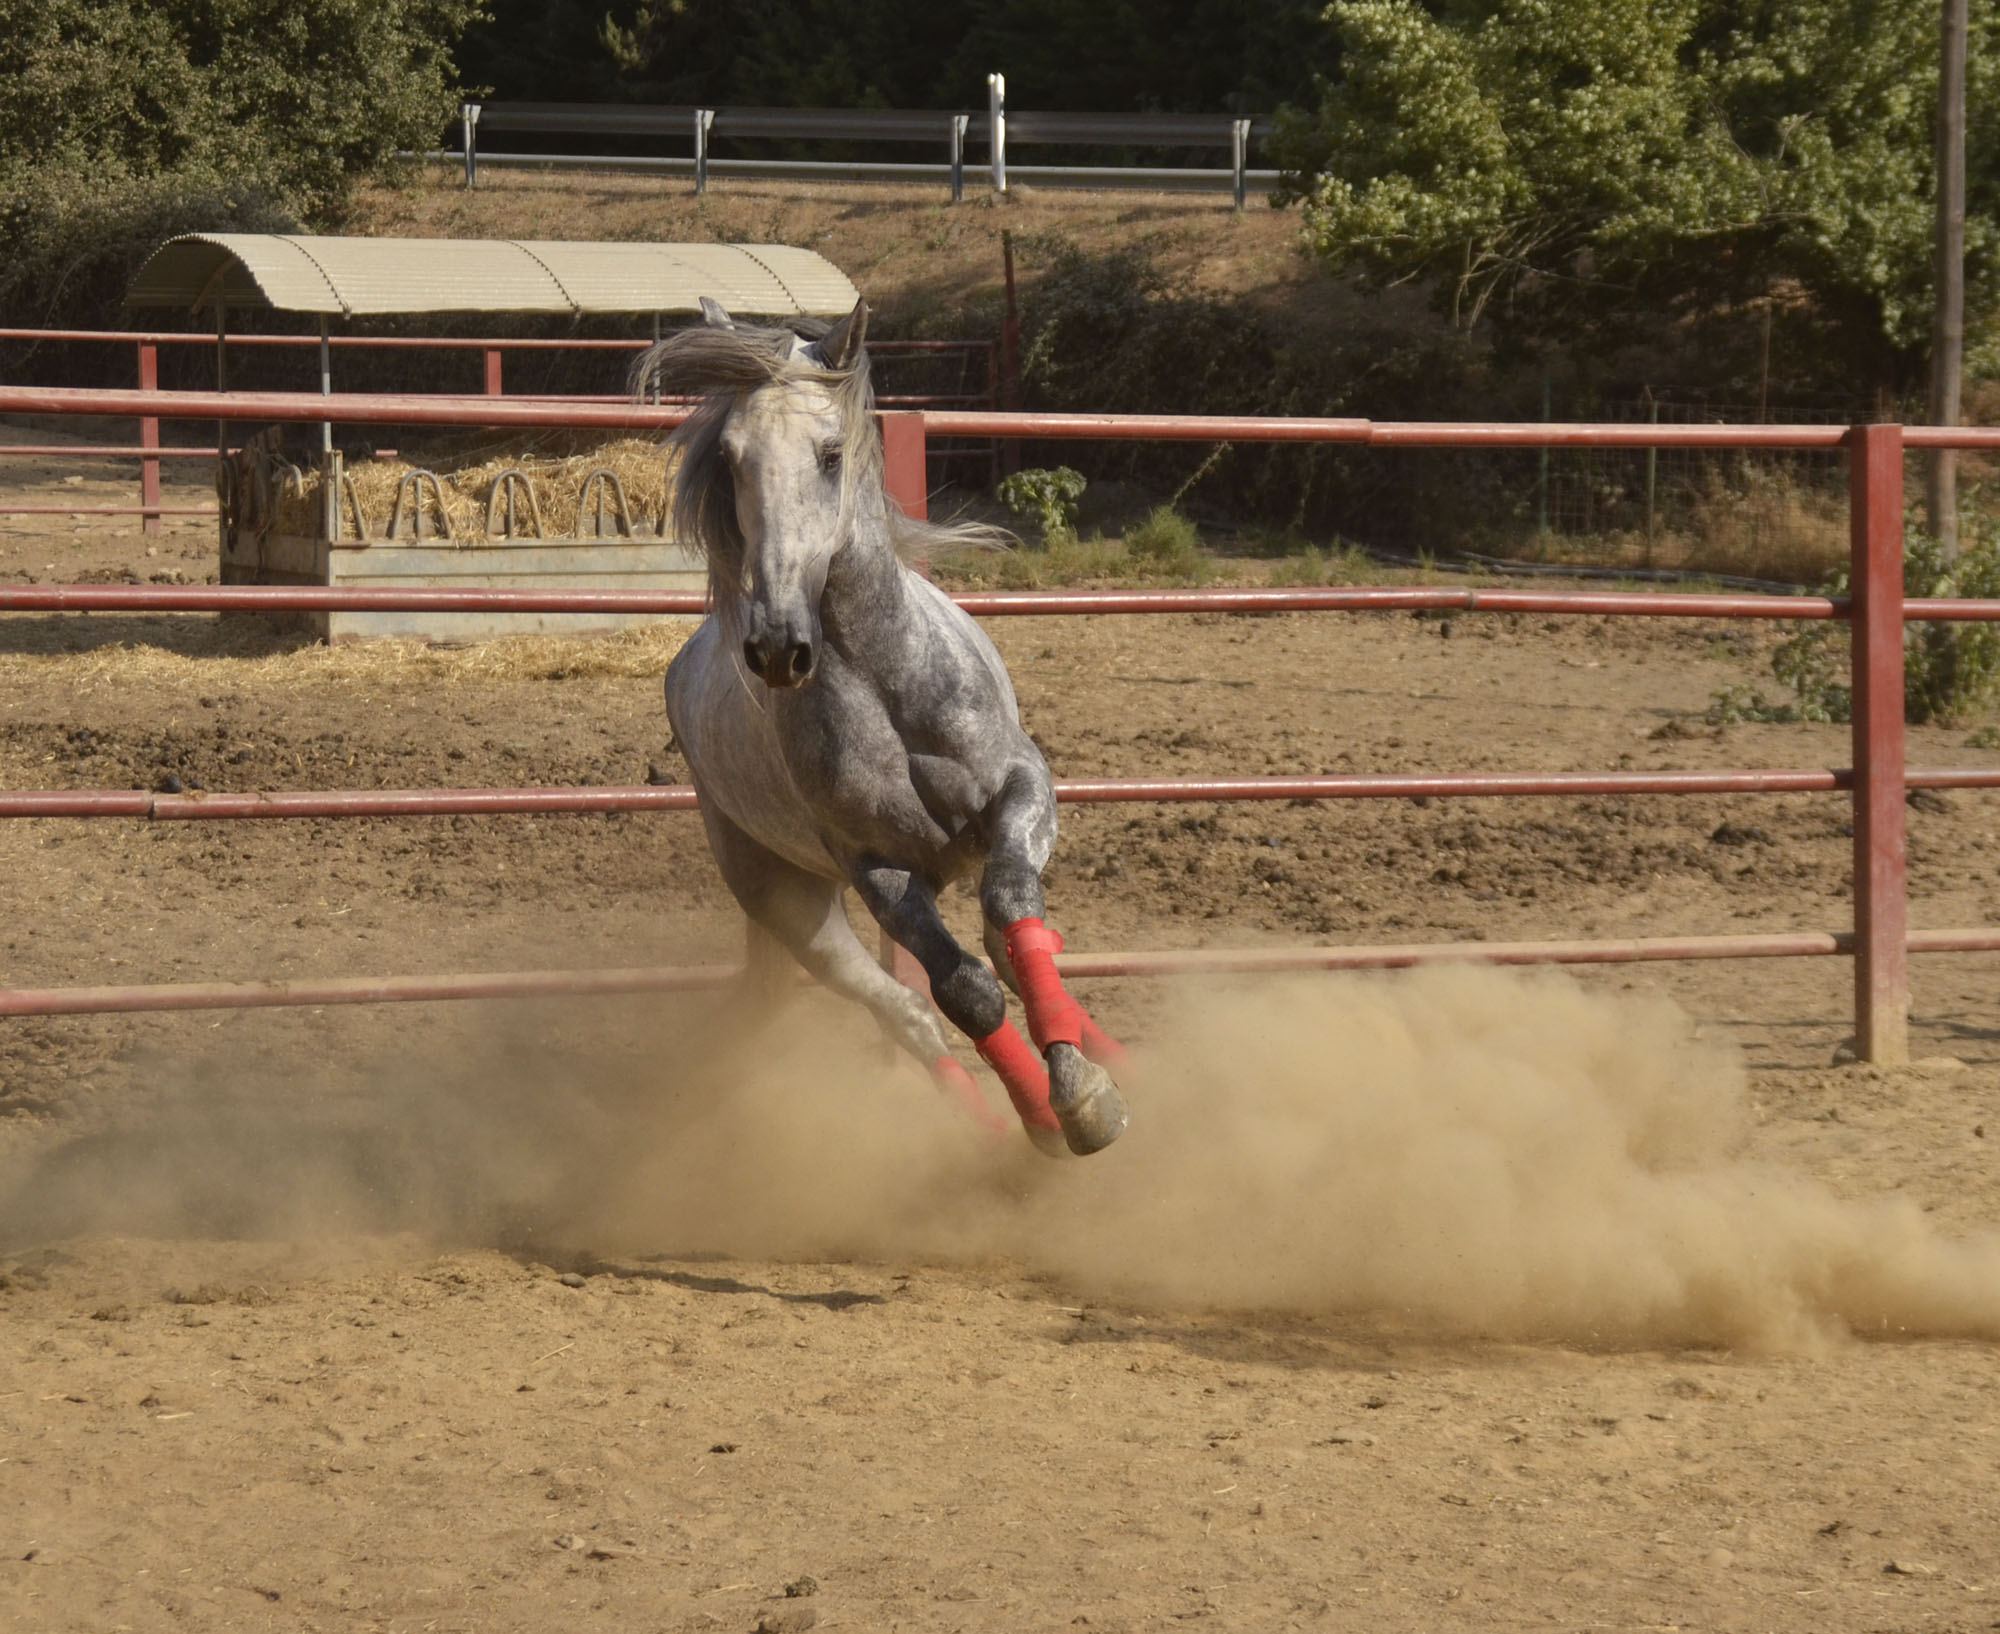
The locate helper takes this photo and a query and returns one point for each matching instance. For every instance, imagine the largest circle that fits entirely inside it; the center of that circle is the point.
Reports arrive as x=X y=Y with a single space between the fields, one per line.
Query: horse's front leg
x=963 y=988
x=1021 y=830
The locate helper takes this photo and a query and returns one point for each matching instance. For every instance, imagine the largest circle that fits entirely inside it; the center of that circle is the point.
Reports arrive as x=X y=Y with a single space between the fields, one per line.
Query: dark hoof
x=1085 y=1101
x=1049 y=1142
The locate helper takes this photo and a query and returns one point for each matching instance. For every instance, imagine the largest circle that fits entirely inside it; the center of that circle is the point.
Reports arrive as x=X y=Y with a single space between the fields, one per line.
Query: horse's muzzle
x=781 y=661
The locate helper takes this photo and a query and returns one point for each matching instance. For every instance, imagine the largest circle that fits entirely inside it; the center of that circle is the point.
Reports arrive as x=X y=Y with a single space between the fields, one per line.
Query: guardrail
x=1880 y=942
x=995 y=130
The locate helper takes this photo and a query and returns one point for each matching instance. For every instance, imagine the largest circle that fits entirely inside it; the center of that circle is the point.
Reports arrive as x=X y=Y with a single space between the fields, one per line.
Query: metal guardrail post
x=704 y=118
x=959 y=122
x=1881 y=859
x=493 y=377
x=468 y=124
x=996 y=114
x=149 y=437
x=325 y=384
x=1239 y=154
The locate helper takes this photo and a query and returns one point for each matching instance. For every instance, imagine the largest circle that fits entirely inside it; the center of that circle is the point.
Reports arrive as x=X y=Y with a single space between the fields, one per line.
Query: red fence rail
x=1880 y=941
x=202 y=806
x=148 y=342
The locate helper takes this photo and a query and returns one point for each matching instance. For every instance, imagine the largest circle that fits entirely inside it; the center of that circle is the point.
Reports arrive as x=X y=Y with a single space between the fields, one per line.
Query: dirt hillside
x=923 y=262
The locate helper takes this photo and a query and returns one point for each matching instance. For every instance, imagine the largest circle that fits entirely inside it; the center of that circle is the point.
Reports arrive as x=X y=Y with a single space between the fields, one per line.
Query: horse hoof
x=1049 y=1142
x=1085 y=1101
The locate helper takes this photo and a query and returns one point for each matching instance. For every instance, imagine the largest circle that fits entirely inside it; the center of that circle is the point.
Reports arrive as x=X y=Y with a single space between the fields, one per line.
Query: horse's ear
x=715 y=315
x=841 y=345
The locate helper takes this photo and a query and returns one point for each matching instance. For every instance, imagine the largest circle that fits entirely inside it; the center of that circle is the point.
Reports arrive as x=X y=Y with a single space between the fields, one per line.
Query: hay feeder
x=593 y=522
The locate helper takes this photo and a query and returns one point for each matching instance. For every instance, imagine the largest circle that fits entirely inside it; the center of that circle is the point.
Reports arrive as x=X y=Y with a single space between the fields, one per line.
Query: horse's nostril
x=752 y=660
x=802 y=661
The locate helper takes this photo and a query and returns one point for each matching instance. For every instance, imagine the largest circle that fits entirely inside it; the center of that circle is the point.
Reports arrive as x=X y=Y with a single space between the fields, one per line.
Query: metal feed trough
x=406 y=539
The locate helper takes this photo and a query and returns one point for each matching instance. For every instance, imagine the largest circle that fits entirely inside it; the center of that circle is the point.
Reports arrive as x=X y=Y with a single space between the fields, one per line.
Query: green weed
x=1343 y=564
x=1166 y=541
x=1046 y=497
x=1951 y=672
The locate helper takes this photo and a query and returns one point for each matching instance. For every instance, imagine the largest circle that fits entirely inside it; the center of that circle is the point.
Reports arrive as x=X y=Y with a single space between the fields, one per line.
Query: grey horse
x=848 y=726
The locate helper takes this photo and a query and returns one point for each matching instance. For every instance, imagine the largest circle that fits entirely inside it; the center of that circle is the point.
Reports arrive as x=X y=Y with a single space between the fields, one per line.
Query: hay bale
x=642 y=467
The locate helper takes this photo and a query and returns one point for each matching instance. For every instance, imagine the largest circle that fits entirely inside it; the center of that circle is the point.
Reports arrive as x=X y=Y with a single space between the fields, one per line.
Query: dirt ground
x=1413 y=1303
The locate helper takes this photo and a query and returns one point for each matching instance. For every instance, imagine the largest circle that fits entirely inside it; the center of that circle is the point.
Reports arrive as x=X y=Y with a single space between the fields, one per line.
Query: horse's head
x=774 y=457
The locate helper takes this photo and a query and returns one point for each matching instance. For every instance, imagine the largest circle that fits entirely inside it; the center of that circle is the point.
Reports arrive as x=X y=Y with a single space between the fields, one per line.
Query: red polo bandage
x=1053 y=1016
x=955 y=1081
x=1021 y=1072
x=1102 y=1048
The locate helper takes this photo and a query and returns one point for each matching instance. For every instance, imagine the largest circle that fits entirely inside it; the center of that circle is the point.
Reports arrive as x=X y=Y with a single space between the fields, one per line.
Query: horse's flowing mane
x=718 y=366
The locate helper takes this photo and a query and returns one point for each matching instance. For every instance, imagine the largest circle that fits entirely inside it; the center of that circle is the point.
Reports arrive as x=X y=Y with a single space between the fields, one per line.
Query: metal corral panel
x=296 y=272
x=522 y=564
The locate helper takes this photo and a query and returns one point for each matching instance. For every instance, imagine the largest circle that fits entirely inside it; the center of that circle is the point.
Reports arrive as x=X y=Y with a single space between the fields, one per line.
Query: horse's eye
x=829 y=457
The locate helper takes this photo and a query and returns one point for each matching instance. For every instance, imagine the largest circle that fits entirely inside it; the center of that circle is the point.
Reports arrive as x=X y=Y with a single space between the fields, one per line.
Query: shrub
x=1123 y=332
x=1166 y=540
x=76 y=234
x=298 y=99
x=1046 y=497
x=1951 y=672
x=1342 y=564
x=123 y=122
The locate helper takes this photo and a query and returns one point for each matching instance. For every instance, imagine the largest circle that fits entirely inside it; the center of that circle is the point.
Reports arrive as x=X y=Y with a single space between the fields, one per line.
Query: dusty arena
x=1458 y=1299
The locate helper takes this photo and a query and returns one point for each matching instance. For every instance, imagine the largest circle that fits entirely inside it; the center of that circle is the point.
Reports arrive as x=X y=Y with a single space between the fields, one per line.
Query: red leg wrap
x=1102 y=1048
x=1053 y=1016
x=953 y=1080
x=1021 y=1072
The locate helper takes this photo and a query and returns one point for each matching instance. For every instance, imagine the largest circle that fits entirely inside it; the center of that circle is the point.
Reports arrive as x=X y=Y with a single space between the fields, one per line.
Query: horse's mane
x=718 y=366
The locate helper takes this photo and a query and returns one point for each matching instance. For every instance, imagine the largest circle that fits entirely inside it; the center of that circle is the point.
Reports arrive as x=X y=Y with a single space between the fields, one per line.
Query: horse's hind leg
x=1085 y=1100
x=767 y=973
x=802 y=913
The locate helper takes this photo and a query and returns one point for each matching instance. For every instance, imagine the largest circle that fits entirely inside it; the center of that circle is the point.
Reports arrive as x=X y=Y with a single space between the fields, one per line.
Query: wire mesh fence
x=1778 y=514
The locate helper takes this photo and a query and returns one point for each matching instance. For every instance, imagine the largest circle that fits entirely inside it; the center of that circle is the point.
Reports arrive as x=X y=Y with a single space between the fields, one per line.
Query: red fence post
x=149 y=437
x=1881 y=873
x=493 y=371
x=903 y=472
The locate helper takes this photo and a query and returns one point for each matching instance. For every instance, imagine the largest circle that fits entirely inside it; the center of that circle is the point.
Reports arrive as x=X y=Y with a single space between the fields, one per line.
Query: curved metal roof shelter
x=349 y=277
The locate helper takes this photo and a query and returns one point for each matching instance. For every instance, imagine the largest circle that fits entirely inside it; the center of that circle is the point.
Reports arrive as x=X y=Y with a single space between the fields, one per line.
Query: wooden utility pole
x=1948 y=321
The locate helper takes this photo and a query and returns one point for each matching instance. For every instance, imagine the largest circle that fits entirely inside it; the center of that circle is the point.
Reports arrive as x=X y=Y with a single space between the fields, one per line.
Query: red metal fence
x=1878 y=782
x=147 y=343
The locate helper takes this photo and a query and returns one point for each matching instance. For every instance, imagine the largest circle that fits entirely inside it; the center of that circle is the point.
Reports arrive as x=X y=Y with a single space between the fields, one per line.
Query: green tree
x=123 y=121
x=1562 y=165
x=302 y=99
x=1206 y=56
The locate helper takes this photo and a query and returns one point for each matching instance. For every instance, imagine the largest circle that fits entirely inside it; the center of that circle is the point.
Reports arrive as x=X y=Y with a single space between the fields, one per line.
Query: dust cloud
x=1478 y=1151
x=1475 y=1152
